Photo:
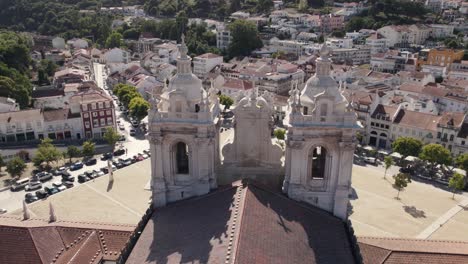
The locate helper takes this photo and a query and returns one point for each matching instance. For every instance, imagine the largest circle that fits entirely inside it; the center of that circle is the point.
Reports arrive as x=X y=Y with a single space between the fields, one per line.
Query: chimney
x=26 y=214
x=52 y=216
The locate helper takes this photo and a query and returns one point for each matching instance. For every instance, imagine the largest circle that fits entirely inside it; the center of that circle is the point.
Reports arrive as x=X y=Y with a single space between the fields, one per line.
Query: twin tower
x=186 y=154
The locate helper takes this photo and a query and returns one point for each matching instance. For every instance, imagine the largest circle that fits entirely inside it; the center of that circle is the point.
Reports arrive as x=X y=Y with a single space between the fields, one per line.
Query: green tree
x=264 y=6
x=462 y=162
x=407 y=146
x=114 y=40
x=46 y=152
x=131 y=33
x=226 y=101
x=388 y=162
x=2 y=163
x=112 y=137
x=126 y=93
x=280 y=133
x=138 y=107
x=15 y=167
x=435 y=154
x=401 y=182
x=303 y=5
x=245 y=38
x=73 y=152
x=88 y=149
x=456 y=183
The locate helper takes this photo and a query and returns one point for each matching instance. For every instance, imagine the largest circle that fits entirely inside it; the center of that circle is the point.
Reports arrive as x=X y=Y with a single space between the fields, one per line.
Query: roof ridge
x=414 y=239
x=35 y=245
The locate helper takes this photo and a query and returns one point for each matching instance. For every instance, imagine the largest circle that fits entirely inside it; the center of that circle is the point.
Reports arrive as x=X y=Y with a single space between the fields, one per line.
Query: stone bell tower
x=320 y=142
x=183 y=135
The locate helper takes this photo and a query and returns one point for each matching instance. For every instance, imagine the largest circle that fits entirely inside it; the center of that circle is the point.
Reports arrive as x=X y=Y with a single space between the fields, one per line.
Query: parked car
x=127 y=162
x=82 y=178
x=122 y=138
x=68 y=178
x=3 y=211
x=132 y=132
x=61 y=188
x=59 y=171
x=19 y=185
x=135 y=123
x=88 y=173
x=119 y=152
x=99 y=173
x=41 y=194
x=370 y=160
x=76 y=166
x=145 y=156
x=408 y=170
x=51 y=190
x=30 y=197
x=146 y=151
x=32 y=186
x=43 y=176
x=68 y=184
x=90 y=162
x=57 y=183
x=121 y=127
x=66 y=174
x=106 y=156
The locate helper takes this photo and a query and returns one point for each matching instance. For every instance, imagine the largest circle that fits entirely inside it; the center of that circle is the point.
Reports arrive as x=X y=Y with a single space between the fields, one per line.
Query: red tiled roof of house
x=268 y=228
x=412 y=251
x=417 y=120
x=385 y=110
x=209 y=56
x=411 y=87
x=36 y=241
x=452 y=119
x=56 y=115
x=238 y=84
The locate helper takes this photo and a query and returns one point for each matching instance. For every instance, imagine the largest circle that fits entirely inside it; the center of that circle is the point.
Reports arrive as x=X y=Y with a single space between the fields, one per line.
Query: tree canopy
x=46 y=153
x=138 y=107
x=114 y=40
x=407 y=146
x=435 y=154
x=245 y=38
x=15 y=167
x=88 y=149
x=462 y=162
x=401 y=182
x=111 y=136
x=456 y=183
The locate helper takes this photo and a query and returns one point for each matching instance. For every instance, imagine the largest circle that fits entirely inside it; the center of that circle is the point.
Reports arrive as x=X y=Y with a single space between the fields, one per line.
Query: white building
x=204 y=63
x=353 y=56
x=441 y=30
x=339 y=43
x=377 y=43
x=58 y=43
x=223 y=38
x=8 y=105
x=233 y=87
x=287 y=46
x=117 y=55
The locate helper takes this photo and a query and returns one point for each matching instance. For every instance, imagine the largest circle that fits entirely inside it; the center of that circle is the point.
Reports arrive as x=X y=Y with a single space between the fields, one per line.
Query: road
x=13 y=200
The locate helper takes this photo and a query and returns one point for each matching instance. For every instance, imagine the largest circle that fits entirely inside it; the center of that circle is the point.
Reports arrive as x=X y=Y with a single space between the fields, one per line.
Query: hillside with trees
x=387 y=12
x=14 y=67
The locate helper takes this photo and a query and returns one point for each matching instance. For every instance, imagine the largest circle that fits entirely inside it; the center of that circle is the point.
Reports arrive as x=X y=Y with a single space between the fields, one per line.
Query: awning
x=411 y=158
x=396 y=155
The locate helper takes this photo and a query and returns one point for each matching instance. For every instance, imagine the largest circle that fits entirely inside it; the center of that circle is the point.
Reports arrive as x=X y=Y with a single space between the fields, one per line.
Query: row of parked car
x=68 y=180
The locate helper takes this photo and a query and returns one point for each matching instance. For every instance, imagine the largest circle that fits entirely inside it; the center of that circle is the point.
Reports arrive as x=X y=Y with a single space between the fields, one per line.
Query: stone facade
x=320 y=142
x=183 y=137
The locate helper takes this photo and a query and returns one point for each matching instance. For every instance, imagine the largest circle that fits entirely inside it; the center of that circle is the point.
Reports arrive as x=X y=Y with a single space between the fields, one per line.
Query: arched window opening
x=319 y=156
x=197 y=108
x=182 y=158
x=305 y=110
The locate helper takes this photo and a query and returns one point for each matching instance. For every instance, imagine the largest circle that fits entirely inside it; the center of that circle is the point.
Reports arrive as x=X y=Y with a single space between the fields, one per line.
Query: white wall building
x=204 y=63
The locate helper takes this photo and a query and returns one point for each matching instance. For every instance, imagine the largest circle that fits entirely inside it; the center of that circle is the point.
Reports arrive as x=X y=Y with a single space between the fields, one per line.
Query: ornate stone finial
x=324 y=51
x=52 y=216
x=183 y=48
x=26 y=214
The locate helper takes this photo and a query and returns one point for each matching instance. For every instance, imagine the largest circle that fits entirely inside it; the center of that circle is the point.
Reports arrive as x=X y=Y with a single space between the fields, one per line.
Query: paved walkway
x=439 y=222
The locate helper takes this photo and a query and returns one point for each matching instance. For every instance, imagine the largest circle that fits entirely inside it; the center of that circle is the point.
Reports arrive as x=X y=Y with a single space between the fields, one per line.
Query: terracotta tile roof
x=238 y=84
x=209 y=56
x=417 y=120
x=56 y=115
x=452 y=119
x=267 y=227
x=89 y=97
x=412 y=251
x=385 y=110
x=411 y=87
x=21 y=116
x=36 y=241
